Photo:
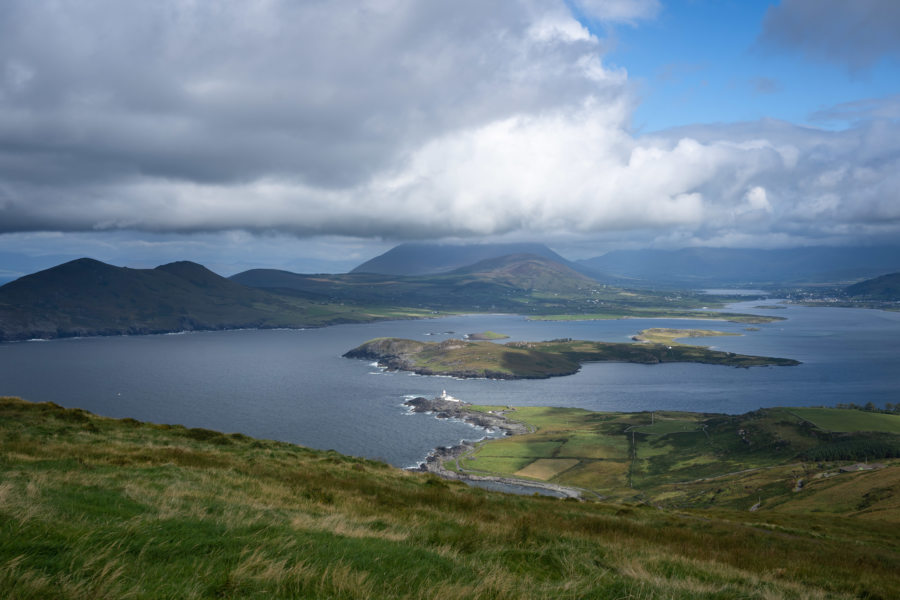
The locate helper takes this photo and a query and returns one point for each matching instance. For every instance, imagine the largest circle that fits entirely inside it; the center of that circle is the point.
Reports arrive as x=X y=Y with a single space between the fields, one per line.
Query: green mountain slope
x=94 y=508
x=886 y=287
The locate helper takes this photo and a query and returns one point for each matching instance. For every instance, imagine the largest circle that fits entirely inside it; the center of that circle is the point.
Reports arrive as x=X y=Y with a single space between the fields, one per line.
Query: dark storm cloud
x=325 y=93
x=854 y=33
x=390 y=119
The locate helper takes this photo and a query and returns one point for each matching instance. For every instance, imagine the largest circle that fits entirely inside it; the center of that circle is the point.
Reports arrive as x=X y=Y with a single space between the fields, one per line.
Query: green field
x=664 y=427
x=691 y=459
x=102 y=509
x=668 y=336
x=834 y=419
x=487 y=335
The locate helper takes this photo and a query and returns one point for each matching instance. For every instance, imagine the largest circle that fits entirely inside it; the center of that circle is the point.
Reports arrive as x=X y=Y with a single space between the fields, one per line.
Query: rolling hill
x=886 y=287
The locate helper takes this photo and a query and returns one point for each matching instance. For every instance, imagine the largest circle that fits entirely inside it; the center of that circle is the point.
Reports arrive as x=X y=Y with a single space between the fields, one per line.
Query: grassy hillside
x=94 y=508
x=538 y=360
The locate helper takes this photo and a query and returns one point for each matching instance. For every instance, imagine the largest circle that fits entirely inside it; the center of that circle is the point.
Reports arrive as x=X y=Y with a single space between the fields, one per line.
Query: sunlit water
x=294 y=385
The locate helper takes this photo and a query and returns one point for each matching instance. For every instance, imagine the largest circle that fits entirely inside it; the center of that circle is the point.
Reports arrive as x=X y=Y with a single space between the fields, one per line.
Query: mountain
x=432 y=259
x=16 y=264
x=88 y=297
x=500 y=283
x=527 y=272
x=886 y=287
x=729 y=266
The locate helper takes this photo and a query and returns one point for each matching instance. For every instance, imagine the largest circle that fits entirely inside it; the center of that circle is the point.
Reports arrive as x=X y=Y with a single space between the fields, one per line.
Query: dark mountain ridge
x=88 y=297
x=490 y=282
x=432 y=259
x=886 y=287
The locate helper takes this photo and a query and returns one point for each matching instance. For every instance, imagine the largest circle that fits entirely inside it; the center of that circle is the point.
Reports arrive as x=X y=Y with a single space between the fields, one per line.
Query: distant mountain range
x=498 y=283
x=686 y=268
x=699 y=267
x=88 y=297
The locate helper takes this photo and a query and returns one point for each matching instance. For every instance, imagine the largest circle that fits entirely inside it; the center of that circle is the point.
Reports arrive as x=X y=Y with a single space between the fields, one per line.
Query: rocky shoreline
x=446 y=407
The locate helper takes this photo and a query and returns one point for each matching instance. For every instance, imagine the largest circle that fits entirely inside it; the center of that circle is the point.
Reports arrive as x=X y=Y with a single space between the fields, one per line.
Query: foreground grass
x=94 y=508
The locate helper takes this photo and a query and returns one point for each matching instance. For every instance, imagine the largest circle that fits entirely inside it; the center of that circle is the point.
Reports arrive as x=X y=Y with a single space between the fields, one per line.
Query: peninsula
x=444 y=461
x=537 y=360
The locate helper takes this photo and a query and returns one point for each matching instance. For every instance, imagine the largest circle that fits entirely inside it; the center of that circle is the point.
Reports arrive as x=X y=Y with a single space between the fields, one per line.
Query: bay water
x=293 y=385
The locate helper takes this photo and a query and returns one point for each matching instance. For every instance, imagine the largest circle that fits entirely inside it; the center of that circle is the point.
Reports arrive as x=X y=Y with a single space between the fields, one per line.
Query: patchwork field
x=771 y=457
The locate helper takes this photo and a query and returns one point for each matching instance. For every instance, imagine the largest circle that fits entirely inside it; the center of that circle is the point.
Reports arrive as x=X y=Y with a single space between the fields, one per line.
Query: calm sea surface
x=294 y=385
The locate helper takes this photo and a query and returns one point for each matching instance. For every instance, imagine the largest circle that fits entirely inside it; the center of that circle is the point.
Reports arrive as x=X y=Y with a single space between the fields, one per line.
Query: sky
x=311 y=136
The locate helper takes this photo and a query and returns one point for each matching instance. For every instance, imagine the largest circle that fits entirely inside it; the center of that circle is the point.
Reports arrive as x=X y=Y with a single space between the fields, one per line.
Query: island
x=665 y=335
x=537 y=360
x=486 y=336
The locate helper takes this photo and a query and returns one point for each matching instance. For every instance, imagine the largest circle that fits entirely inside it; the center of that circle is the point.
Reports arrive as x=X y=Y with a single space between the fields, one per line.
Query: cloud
x=861 y=110
x=854 y=34
x=765 y=85
x=391 y=119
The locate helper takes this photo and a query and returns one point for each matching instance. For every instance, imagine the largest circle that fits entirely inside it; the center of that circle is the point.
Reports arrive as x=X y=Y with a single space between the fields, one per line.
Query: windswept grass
x=94 y=508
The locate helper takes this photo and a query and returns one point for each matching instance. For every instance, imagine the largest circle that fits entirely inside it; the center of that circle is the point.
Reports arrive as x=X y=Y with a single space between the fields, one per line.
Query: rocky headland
x=447 y=407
